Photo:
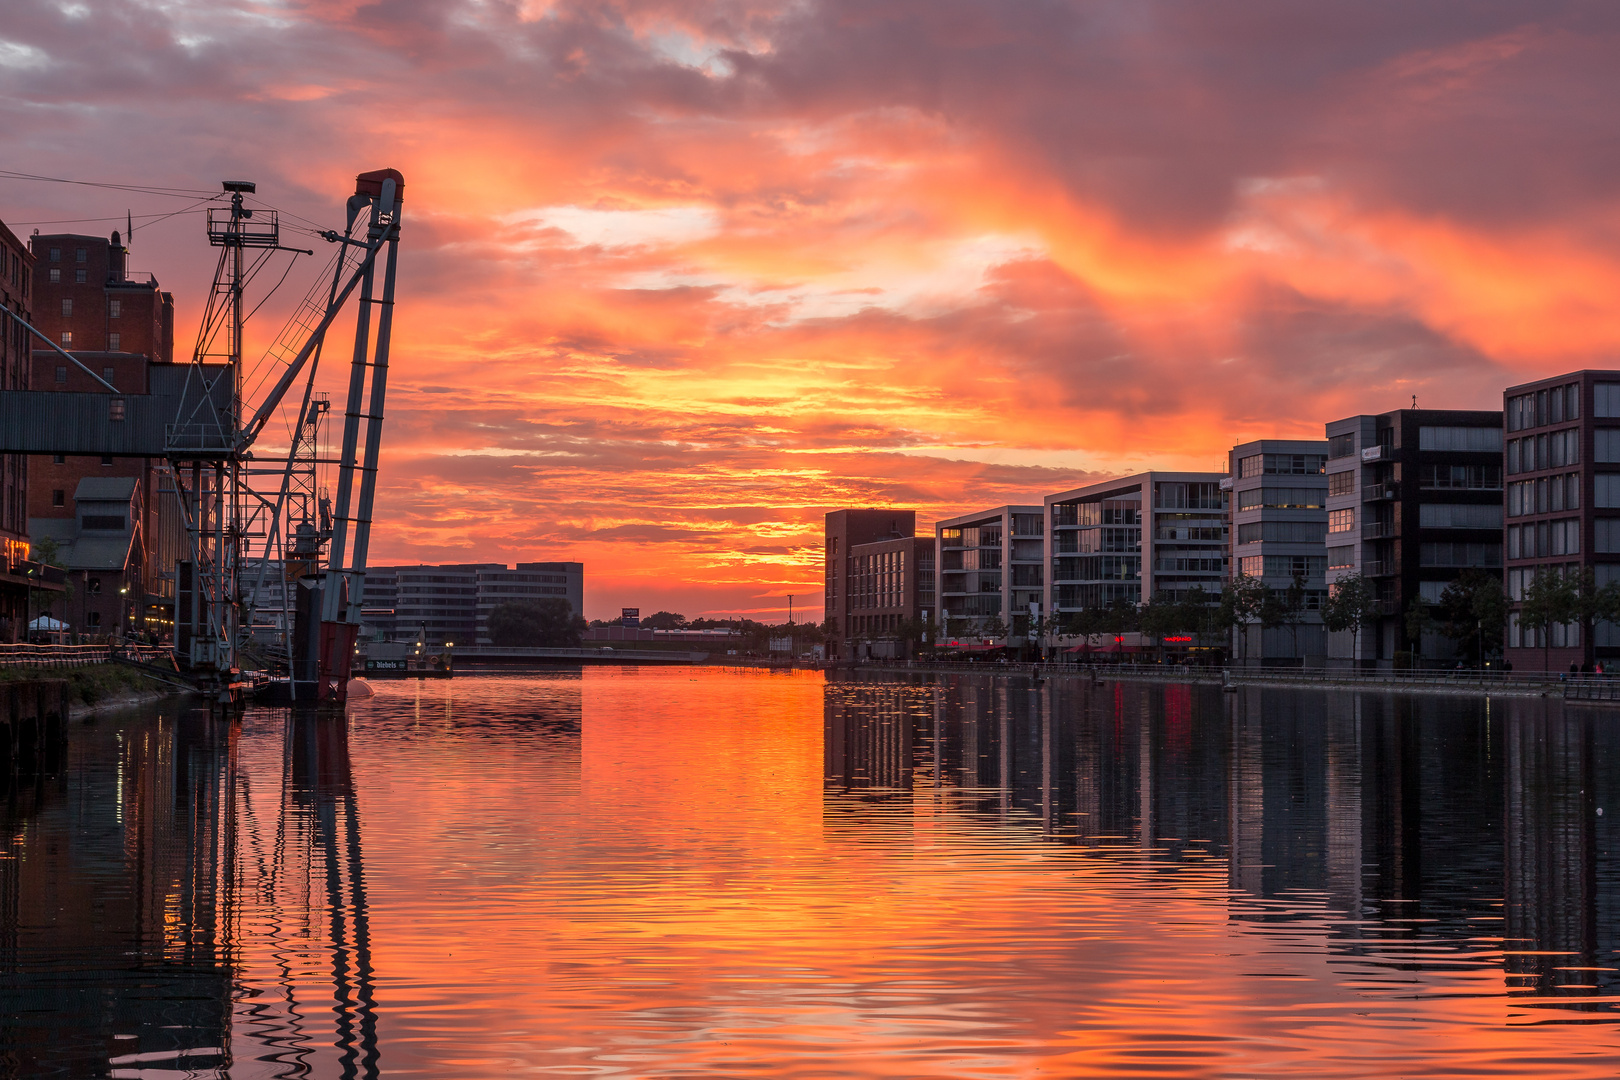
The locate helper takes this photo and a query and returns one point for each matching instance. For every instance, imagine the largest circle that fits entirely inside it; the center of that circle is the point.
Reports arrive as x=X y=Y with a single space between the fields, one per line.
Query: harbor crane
x=197 y=418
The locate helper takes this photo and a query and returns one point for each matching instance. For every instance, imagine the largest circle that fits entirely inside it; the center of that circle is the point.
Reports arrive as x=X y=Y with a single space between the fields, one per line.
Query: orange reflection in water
x=653 y=872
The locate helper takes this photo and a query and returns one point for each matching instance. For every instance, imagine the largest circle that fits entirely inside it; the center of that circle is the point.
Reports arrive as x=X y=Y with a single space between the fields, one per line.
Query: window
x=1341 y=446
x=1280 y=532
x=102 y=521
x=79 y=277
x=93 y=618
x=1606 y=399
x=1448 y=554
x=1295 y=464
x=93 y=586
x=58 y=459
x=1282 y=498
x=1341 y=558
x=56 y=254
x=1454 y=516
x=1513 y=456
x=1341 y=520
x=56 y=276
x=115 y=309
x=115 y=343
x=1342 y=483
x=67 y=306
x=1251 y=465
x=1606 y=535
x=1462 y=477
x=106 y=461
x=67 y=339
x=107 y=374
x=1606 y=444
x=59 y=497
x=1252 y=565
x=1606 y=489
x=1544 y=539
x=1473 y=439
x=115 y=410
x=81 y=255
x=61 y=373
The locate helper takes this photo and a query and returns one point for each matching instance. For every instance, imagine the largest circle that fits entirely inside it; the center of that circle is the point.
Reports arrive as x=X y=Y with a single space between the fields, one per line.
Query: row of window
x=80 y=277
x=1282 y=465
x=1549 y=495
x=1099 y=512
x=1553 y=450
x=1542 y=407
x=1459 y=554
x=1281 y=532
x=1289 y=566
x=1340 y=521
x=1271 y=498
x=1188 y=565
x=115 y=308
x=79 y=255
x=1543 y=539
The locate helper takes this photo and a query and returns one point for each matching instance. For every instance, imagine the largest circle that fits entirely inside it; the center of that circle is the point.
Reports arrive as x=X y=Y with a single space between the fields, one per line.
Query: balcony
x=1380 y=492
x=1387 y=607
x=1384 y=568
x=1378 y=530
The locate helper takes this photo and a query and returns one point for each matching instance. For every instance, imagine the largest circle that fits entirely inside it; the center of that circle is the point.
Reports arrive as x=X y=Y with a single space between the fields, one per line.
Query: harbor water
x=674 y=871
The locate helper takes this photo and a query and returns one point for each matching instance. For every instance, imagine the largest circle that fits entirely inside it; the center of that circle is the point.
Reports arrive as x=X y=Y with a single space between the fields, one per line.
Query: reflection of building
x=1562 y=502
x=990 y=572
x=1279 y=522
x=1562 y=884
x=1414 y=499
x=120 y=880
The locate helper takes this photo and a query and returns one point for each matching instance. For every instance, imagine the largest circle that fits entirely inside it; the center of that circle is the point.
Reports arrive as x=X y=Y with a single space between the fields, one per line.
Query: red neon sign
x=1170 y=639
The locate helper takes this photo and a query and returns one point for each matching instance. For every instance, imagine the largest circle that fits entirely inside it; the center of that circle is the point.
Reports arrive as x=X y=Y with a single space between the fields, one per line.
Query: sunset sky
x=678 y=278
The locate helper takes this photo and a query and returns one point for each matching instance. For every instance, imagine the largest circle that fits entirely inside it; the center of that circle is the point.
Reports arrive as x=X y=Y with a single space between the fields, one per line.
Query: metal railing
x=1377 y=530
x=23 y=654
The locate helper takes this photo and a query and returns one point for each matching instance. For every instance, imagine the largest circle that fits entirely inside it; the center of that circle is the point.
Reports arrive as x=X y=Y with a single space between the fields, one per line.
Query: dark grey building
x=1414 y=499
x=1279 y=528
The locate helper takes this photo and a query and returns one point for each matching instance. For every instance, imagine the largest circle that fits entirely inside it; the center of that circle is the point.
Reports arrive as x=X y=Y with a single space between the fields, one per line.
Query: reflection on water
x=655 y=872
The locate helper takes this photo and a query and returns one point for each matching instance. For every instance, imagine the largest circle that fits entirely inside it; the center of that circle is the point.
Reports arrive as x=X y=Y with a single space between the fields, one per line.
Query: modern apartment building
x=991 y=569
x=1279 y=528
x=888 y=582
x=1562 y=503
x=1414 y=499
x=1152 y=534
x=847 y=530
x=16 y=369
x=529 y=581
x=438 y=601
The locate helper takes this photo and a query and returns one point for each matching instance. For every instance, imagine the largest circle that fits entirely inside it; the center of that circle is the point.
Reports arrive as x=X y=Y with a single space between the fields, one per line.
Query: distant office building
x=530 y=581
x=378 y=598
x=1414 y=499
x=845 y=531
x=1152 y=534
x=451 y=602
x=438 y=601
x=990 y=570
x=16 y=367
x=1562 y=503
x=1279 y=528
x=117 y=324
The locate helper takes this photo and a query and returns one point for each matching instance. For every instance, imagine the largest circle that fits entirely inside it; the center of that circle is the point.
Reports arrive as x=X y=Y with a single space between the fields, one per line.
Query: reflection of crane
x=196 y=418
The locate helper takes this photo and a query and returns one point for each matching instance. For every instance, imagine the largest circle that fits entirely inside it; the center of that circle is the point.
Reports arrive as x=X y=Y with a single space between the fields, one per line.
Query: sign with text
x=631 y=617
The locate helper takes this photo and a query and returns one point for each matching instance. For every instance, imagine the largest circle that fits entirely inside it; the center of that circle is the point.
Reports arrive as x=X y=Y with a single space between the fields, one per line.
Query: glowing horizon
x=677 y=279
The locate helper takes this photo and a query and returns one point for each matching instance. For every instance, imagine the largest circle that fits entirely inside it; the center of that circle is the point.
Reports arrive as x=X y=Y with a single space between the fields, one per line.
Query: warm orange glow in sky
x=681 y=277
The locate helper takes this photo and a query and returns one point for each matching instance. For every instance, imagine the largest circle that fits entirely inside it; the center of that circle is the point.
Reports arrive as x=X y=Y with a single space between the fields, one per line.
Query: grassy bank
x=92 y=682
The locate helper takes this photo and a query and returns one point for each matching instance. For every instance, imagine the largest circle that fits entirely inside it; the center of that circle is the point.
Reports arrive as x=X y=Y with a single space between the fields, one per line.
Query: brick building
x=847 y=530
x=1562 y=505
x=16 y=295
x=118 y=324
